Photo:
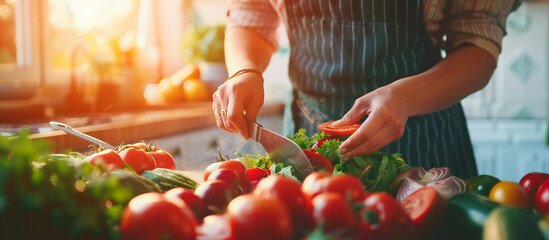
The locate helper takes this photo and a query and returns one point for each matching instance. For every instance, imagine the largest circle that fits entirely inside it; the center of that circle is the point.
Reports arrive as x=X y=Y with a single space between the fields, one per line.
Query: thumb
x=360 y=109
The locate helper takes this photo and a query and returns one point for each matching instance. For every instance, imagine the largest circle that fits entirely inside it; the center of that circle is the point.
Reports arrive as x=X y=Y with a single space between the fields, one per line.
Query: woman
x=381 y=59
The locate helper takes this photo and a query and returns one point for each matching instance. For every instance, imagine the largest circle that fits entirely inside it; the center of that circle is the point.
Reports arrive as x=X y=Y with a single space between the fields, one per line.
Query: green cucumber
x=168 y=179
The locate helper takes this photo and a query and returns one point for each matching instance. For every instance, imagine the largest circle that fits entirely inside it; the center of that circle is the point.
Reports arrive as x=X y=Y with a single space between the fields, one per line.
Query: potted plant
x=204 y=46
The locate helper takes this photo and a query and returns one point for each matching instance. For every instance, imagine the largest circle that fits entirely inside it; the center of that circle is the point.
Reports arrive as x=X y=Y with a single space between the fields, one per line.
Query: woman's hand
x=238 y=96
x=387 y=115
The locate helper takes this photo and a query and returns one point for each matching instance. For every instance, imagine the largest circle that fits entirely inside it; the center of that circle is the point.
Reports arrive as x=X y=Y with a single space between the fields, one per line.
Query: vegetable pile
x=135 y=192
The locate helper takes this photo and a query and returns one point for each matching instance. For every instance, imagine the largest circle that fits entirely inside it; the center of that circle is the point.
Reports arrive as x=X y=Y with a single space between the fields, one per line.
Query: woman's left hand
x=387 y=114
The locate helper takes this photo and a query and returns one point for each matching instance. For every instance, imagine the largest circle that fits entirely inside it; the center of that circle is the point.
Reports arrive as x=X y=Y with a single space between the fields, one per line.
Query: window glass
x=95 y=26
x=8 y=49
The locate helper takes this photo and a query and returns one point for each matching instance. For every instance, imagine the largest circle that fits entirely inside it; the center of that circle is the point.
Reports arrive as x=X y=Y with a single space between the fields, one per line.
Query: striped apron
x=343 y=49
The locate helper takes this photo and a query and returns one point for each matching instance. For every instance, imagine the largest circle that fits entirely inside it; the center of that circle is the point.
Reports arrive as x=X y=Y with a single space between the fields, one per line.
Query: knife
x=280 y=149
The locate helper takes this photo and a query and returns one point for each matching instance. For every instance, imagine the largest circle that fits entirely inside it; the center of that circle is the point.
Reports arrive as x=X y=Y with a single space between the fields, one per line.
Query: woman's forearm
x=463 y=72
x=245 y=49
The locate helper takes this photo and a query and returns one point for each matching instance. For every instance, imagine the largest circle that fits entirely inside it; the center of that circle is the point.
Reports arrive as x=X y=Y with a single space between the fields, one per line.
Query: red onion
x=408 y=187
x=435 y=174
x=449 y=186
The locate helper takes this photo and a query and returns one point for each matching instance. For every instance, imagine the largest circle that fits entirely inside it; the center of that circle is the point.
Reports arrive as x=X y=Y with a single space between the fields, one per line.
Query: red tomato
x=330 y=129
x=531 y=182
x=194 y=202
x=289 y=193
x=541 y=200
x=227 y=176
x=142 y=145
x=216 y=194
x=210 y=168
x=510 y=193
x=426 y=209
x=108 y=157
x=346 y=185
x=162 y=159
x=138 y=159
x=333 y=213
x=319 y=162
x=319 y=143
x=233 y=165
x=215 y=226
x=154 y=216
x=384 y=218
x=256 y=217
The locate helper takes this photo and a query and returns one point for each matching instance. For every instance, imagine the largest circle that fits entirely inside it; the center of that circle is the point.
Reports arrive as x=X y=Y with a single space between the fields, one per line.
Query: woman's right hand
x=238 y=96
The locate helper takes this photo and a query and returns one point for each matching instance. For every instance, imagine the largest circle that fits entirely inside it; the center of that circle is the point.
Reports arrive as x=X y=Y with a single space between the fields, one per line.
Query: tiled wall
x=508 y=119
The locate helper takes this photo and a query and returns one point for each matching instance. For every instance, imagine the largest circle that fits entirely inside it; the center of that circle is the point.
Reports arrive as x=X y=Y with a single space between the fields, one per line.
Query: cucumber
x=168 y=179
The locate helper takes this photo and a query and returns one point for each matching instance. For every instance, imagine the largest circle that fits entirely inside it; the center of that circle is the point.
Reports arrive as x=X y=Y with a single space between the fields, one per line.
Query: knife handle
x=254 y=129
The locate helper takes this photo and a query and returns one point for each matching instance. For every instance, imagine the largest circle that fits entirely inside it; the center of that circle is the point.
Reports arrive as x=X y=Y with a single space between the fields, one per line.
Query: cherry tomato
x=227 y=176
x=531 y=182
x=138 y=159
x=384 y=218
x=162 y=158
x=256 y=217
x=109 y=157
x=215 y=226
x=334 y=215
x=216 y=194
x=319 y=162
x=426 y=209
x=289 y=193
x=330 y=129
x=154 y=216
x=346 y=185
x=194 y=202
x=541 y=200
x=233 y=165
x=510 y=193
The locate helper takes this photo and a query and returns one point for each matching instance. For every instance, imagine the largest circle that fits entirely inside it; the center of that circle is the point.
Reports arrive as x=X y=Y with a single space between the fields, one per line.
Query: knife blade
x=280 y=148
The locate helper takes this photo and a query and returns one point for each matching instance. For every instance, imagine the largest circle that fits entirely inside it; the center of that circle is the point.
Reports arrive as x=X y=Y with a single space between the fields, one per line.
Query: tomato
x=330 y=129
x=257 y=217
x=289 y=193
x=334 y=215
x=142 y=145
x=319 y=143
x=319 y=162
x=215 y=226
x=541 y=200
x=233 y=165
x=138 y=159
x=194 y=202
x=426 y=209
x=154 y=216
x=109 y=157
x=531 y=182
x=210 y=168
x=162 y=158
x=216 y=194
x=482 y=184
x=346 y=185
x=510 y=193
x=227 y=176
x=384 y=218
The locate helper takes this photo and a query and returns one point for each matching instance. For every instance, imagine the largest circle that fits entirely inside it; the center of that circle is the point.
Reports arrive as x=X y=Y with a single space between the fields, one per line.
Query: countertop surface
x=130 y=127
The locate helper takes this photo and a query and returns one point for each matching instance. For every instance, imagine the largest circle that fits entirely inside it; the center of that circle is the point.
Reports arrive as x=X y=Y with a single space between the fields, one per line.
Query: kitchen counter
x=132 y=127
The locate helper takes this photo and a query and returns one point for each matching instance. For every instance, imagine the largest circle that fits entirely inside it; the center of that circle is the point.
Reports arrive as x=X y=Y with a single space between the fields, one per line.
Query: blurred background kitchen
x=149 y=68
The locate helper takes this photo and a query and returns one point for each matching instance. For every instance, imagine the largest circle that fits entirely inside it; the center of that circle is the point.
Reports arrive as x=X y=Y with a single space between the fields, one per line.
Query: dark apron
x=343 y=49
